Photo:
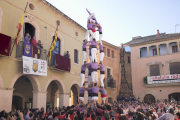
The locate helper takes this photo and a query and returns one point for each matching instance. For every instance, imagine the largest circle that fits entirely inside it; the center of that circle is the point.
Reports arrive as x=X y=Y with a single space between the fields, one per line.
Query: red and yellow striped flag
x=52 y=46
x=19 y=26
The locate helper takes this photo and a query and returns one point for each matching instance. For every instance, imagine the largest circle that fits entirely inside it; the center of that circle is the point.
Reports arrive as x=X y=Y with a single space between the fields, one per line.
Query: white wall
x=163 y=49
x=170 y=47
x=151 y=50
x=143 y=52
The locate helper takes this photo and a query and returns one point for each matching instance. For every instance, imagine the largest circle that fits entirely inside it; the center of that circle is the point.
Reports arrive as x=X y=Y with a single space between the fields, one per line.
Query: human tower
x=93 y=66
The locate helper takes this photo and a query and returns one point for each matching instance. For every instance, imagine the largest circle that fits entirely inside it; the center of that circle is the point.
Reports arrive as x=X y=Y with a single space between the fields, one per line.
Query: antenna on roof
x=176 y=26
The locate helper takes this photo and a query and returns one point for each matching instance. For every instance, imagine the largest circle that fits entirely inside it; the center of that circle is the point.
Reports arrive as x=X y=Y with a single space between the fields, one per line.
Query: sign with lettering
x=34 y=66
x=27 y=49
x=163 y=79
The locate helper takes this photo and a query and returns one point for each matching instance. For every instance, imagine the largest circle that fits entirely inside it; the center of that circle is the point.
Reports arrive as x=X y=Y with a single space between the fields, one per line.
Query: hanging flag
x=5 y=44
x=19 y=26
x=52 y=46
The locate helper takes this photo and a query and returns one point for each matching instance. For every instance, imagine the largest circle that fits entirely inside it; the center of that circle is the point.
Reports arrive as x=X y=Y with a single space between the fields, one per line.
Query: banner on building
x=27 y=49
x=34 y=66
x=163 y=79
x=5 y=44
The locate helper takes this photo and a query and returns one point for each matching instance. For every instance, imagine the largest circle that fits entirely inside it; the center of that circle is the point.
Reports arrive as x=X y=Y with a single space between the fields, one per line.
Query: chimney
x=158 y=33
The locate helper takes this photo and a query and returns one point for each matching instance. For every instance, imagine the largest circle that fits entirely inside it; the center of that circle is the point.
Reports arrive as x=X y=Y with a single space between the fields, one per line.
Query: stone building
x=34 y=91
x=155 y=62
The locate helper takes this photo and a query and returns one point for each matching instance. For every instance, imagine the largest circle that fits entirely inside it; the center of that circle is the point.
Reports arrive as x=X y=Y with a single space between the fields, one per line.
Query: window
x=174 y=49
x=108 y=72
x=58 y=45
x=154 y=52
x=112 y=52
x=104 y=50
x=174 y=68
x=154 y=70
x=31 y=6
x=108 y=52
x=76 y=33
x=129 y=61
x=75 y=56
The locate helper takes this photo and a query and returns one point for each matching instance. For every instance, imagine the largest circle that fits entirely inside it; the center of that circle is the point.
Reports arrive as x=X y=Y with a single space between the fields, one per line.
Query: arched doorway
x=175 y=95
x=54 y=91
x=149 y=97
x=74 y=94
x=17 y=102
x=29 y=29
x=24 y=87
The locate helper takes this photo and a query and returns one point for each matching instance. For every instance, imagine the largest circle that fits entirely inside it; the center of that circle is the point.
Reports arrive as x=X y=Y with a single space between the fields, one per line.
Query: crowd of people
x=121 y=110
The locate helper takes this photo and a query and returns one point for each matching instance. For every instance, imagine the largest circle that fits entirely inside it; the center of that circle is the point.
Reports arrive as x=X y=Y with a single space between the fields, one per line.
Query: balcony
x=30 y=51
x=162 y=81
x=109 y=83
x=60 y=63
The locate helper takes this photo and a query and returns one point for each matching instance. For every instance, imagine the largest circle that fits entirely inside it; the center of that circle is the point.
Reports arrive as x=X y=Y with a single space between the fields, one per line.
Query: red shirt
x=71 y=116
x=116 y=116
x=62 y=117
x=89 y=118
x=33 y=42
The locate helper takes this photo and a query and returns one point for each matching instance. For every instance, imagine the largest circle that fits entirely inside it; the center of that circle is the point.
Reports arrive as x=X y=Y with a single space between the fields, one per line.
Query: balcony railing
x=109 y=83
x=59 y=62
x=33 y=51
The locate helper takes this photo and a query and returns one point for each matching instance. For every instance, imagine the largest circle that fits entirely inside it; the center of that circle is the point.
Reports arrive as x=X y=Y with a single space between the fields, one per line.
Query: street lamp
x=175 y=27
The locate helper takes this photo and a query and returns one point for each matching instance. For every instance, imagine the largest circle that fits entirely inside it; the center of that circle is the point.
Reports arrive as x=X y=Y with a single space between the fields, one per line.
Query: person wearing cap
x=103 y=94
x=93 y=50
x=84 y=50
x=102 y=73
x=94 y=74
x=83 y=69
x=95 y=91
x=101 y=56
x=81 y=93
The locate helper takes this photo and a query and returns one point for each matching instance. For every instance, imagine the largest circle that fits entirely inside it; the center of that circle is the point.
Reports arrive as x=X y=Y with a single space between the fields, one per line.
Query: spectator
x=53 y=56
x=39 y=44
x=67 y=54
x=27 y=38
x=177 y=117
x=110 y=80
x=168 y=116
x=33 y=42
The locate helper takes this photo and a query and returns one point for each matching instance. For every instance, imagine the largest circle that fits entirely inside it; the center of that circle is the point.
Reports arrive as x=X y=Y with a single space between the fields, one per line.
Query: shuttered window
x=112 y=52
x=108 y=72
x=75 y=56
x=129 y=61
x=108 y=52
x=154 y=70
x=174 y=68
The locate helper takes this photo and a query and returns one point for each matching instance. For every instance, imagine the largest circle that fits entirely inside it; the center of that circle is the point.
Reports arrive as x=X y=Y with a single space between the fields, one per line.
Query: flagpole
x=52 y=41
x=17 y=36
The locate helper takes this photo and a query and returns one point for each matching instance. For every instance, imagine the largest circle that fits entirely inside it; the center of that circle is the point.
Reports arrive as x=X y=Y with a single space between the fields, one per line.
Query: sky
x=123 y=19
